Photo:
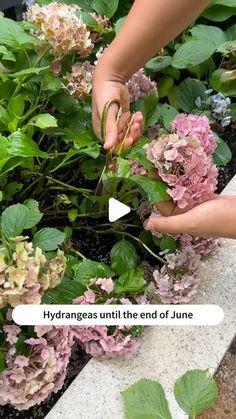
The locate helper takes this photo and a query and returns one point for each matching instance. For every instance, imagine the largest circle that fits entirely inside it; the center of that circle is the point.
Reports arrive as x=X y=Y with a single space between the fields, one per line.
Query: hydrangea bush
x=50 y=159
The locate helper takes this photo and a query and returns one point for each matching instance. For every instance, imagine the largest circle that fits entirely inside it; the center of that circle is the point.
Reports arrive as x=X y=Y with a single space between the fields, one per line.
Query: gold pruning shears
x=118 y=148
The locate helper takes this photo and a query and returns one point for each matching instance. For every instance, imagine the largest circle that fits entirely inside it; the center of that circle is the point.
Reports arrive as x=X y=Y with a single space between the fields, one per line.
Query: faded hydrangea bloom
x=138 y=169
x=30 y=274
x=177 y=281
x=28 y=380
x=59 y=25
x=195 y=126
x=103 y=341
x=80 y=80
x=140 y=86
x=202 y=246
x=183 y=164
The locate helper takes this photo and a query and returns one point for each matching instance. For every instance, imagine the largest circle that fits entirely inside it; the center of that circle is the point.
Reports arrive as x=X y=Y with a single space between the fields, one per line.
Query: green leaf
x=6 y=54
x=34 y=215
x=188 y=91
x=229 y=3
x=123 y=257
x=155 y=190
x=192 y=53
x=72 y=214
x=105 y=7
x=14 y=220
x=64 y=293
x=132 y=281
x=13 y=35
x=168 y=243
x=123 y=170
x=16 y=106
x=222 y=154
x=90 y=170
x=65 y=103
x=145 y=400
x=158 y=63
x=43 y=121
x=227 y=48
x=89 y=269
x=219 y=13
x=28 y=72
x=195 y=392
x=138 y=153
x=48 y=239
x=2 y=361
x=9 y=163
x=119 y=24
x=205 y=32
x=150 y=109
x=21 y=145
x=217 y=83
x=165 y=83
x=168 y=113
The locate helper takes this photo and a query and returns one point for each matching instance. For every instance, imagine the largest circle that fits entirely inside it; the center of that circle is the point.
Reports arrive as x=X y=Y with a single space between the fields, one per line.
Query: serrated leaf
x=206 y=32
x=16 y=106
x=105 y=7
x=138 y=153
x=48 y=239
x=154 y=190
x=222 y=155
x=34 y=215
x=192 y=53
x=6 y=54
x=89 y=269
x=168 y=243
x=145 y=400
x=65 y=293
x=123 y=169
x=132 y=281
x=195 y=391
x=12 y=34
x=188 y=91
x=149 y=108
x=14 y=220
x=123 y=257
x=168 y=113
x=28 y=72
x=43 y=121
x=21 y=145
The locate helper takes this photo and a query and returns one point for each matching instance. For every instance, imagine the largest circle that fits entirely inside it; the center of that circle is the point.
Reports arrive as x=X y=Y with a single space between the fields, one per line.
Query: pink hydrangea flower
x=79 y=81
x=183 y=164
x=106 y=284
x=200 y=245
x=138 y=169
x=140 y=86
x=196 y=126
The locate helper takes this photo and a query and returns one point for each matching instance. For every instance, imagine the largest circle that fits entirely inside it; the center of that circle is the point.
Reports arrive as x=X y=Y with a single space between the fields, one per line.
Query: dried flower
x=140 y=86
x=59 y=25
x=80 y=80
x=30 y=274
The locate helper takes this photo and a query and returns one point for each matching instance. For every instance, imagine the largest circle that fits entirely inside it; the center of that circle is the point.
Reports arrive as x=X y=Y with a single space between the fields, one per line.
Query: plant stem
x=65 y=185
x=80 y=254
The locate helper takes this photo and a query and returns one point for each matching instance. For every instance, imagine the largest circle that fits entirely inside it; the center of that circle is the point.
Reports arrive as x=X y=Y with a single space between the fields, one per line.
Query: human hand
x=213 y=218
x=103 y=91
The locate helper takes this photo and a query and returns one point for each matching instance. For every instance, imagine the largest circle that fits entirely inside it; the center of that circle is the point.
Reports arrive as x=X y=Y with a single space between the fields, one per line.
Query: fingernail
x=147 y=225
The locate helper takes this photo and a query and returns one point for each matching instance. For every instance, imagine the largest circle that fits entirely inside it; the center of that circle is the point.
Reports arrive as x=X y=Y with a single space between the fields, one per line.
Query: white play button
x=117 y=210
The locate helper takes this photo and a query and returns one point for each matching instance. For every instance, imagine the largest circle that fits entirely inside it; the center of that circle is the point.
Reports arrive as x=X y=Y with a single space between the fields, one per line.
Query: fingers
x=111 y=128
x=175 y=224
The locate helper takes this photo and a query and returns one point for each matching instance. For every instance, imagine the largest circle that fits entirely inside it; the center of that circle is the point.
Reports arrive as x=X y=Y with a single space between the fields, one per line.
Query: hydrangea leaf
x=48 y=238
x=207 y=32
x=168 y=113
x=138 y=153
x=65 y=293
x=188 y=91
x=35 y=215
x=195 y=391
x=22 y=145
x=12 y=34
x=168 y=243
x=105 y=7
x=222 y=154
x=219 y=12
x=90 y=269
x=132 y=281
x=44 y=121
x=123 y=257
x=192 y=53
x=155 y=190
x=146 y=399
x=14 y=220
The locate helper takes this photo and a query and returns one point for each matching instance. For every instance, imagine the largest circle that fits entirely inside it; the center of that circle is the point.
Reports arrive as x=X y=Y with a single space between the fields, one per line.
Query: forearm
x=150 y=25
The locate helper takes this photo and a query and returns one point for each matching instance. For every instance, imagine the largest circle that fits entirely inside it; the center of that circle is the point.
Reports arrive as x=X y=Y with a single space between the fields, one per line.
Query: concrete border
x=165 y=353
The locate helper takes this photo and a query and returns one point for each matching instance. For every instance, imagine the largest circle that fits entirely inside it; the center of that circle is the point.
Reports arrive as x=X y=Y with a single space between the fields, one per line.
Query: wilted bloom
x=30 y=274
x=80 y=80
x=138 y=169
x=29 y=379
x=195 y=126
x=200 y=245
x=59 y=25
x=140 y=86
x=177 y=281
x=183 y=164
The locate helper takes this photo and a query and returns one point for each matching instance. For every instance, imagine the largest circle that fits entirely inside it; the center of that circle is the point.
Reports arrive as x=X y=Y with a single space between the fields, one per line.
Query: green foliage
x=189 y=90
x=222 y=154
x=130 y=282
x=89 y=269
x=48 y=238
x=14 y=220
x=123 y=257
x=195 y=392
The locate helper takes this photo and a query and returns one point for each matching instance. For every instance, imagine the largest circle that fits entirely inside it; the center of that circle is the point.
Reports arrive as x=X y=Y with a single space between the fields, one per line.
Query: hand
x=213 y=218
x=103 y=91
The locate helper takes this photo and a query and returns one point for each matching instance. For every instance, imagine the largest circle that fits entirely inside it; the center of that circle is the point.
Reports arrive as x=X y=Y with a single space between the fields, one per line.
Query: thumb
x=111 y=129
x=176 y=224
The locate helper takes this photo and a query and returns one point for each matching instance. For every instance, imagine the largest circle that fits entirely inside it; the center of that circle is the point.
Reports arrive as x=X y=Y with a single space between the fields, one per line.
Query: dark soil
x=227 y=173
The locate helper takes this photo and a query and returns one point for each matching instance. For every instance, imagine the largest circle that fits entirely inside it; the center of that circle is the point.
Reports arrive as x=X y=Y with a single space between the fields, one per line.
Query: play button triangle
x=117 y=210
